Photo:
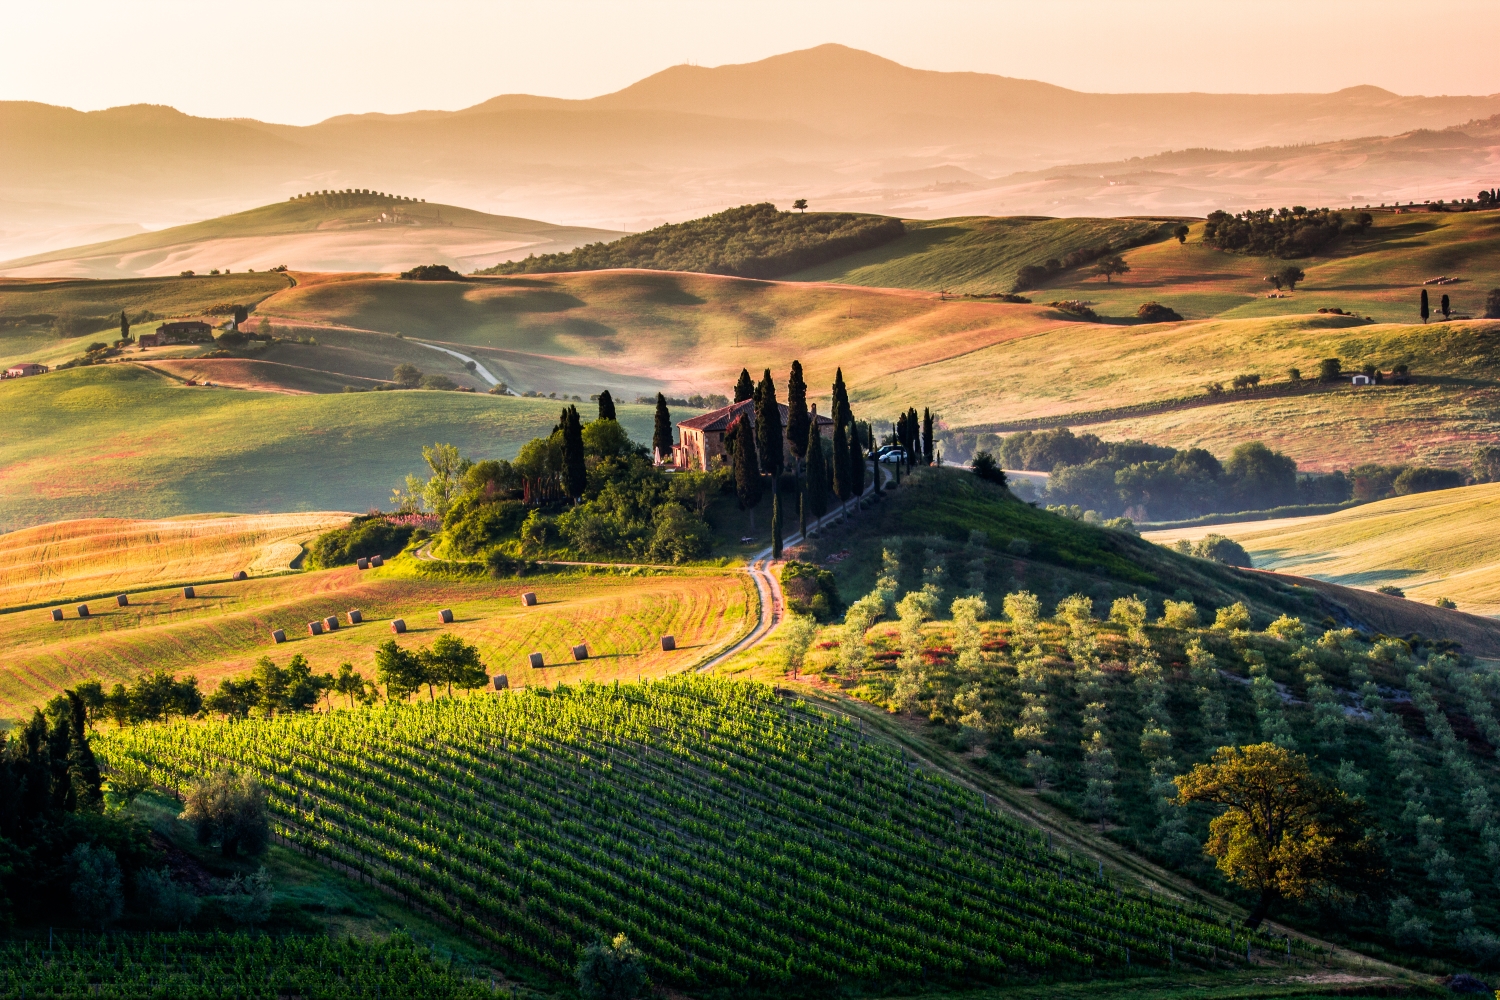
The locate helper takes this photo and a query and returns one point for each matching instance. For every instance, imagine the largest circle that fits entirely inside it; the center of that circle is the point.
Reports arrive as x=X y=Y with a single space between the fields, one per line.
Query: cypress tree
x=661 y=438
x=1425 y=312
x=124 y=326
x=575 y=475
x=1444 y=307
x=768 y=427
x=926 y=436
x=744 y=389
x=840 y=453
x=914 y=438
x=775 y=523
x=83 y=769
x=747 y=488
x=840 y=394
x=802 y=513
x=817 y=475
x=796 y=416
x=606 y=406
x=856 y=461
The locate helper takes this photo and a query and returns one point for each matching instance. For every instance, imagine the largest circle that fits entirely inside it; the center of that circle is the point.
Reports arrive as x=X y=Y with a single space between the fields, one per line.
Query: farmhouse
x=700 y=440
x=22 y=370
x=180 y=332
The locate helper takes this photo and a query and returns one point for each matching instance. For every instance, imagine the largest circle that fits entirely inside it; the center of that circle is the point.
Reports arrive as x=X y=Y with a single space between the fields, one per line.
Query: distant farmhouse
x=700 y=440
x=22 y=370
x=181 y=332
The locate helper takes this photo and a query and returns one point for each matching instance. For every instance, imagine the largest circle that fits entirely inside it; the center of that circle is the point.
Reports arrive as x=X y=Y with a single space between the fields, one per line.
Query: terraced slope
x=739 y=840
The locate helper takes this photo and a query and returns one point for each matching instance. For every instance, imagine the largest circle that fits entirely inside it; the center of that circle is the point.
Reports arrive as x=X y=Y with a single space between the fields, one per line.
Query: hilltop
x=334 y=232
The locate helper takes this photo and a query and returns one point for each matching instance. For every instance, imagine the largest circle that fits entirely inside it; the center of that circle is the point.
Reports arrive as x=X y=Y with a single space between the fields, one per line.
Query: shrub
x=1155 y=312
x=1180 y=614
x=1390 y=590
x=1234 y=618
x=1075 y=307
x=1421 y=479
x=97 y=899
x=1486 y=467
x=612 y=970
x=986 y=468
x=810 y=591
x=484 y=526
x=432 y=272
x=1443 y=602
x=441 y=382
x=680 y=535
x=366 y=535
x=1222 y=549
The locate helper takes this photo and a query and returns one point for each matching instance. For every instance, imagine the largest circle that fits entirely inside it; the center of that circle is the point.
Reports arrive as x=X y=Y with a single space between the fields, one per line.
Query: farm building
x=22 y=370
x=700 y=439
x=181 y=332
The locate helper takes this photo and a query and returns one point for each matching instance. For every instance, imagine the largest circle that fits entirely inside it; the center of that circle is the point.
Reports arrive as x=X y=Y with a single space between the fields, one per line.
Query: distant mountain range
x=844 y=128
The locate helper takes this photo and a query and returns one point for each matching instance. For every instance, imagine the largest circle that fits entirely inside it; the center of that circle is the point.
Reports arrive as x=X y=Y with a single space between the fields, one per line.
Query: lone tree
x=661 y=436
x=231 y=809
x=800 y=204
x=1424 y=310
x=1444 y=307
x=1181 y=232
x=747 y=488
x=1284 y=833
x=407 y=376
x=606 y=406
x=1330 y=370
x=1111 y=266
x=1290 y=275
x=768 y=437
x=575 y=474
x=744 y=389
x=124 y=326
x=796 y=416
x=612 y=970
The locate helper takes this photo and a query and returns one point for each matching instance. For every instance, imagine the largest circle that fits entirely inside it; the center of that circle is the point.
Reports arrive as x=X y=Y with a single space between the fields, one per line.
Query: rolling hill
x=1430 y=545
x=346 y=233
x=847 y=129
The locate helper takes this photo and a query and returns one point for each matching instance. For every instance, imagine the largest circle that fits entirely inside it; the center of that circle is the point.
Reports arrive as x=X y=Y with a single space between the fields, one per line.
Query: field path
x=484 y=372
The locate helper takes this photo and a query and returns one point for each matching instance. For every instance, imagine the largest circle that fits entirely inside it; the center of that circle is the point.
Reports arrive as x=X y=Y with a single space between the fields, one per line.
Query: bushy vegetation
x=752 y=241
x=366 y=535
x=1285 y=232
x=810 y=590
x=1107 y=255
x=432 y=272
x=549 y=820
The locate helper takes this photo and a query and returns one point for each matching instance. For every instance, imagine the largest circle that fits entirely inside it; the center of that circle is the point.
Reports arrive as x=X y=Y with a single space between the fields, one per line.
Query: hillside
x=1430 y=545
x=365 y=232
x=978 y=255
x=647 y=809
x=124 y=441
x=752 y=241
x=1163 y=681
x=826 y=123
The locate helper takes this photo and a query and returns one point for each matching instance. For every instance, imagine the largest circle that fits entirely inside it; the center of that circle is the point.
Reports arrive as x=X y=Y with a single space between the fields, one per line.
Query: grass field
x=124 y=441
x=71 y=560
x=1431 y=545
x=977 y=255
x=227 y=626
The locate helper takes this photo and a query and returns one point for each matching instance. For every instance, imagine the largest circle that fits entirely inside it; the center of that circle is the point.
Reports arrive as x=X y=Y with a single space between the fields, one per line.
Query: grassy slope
x=71 y=560
x=227 y=626
x=976 y=254
x=1430 y=545
x=123 y=441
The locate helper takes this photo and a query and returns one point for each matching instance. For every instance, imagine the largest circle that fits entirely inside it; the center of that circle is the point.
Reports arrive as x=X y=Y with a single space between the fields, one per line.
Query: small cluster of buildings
x=181 y=332
x=22 y=370
x=700 y=439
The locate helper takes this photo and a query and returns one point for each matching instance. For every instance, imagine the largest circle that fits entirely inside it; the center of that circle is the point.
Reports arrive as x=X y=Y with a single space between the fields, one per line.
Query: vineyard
x=210 y=966
x=740 y=840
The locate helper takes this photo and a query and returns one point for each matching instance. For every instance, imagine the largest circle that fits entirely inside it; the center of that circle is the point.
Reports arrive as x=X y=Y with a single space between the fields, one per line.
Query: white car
x=891 y=454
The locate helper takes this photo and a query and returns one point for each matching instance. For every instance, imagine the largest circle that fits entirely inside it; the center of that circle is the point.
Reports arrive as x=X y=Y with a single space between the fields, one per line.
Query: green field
x=1430 y=545
x=123 y=441
x=979 y=254
x=742 y=842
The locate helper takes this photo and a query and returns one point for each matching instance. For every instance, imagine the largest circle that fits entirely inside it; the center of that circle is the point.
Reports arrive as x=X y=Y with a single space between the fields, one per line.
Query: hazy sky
x=305 y=61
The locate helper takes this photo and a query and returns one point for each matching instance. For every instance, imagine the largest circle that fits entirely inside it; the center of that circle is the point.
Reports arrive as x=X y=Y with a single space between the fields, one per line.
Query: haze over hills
x=339 y=233
x=846 y=128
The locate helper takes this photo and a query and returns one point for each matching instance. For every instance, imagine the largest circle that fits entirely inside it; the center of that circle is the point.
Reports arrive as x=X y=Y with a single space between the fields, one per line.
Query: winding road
x=483 y=372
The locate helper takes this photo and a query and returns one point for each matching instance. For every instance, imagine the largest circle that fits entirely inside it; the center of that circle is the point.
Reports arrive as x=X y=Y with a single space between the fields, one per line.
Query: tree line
x=1284 y=232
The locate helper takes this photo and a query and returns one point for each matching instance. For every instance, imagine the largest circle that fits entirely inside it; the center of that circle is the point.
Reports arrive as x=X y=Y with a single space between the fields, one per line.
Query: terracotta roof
x=720 y=419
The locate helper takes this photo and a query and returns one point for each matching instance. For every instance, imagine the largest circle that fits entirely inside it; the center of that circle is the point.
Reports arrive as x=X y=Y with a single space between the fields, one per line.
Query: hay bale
x=355 y=617
x=278 y=636
x=536 y=661
x=445 y=616
x=668 y=643
x=362 y=562
x=123 y=600
x=499 y=682
x=189 y=592
x=83 y=611
x=242 y=575
x=398 y=625
x=331 y=622
x=57 y=614
x=376 y=561
x=529 y=600
x=580 y=652
x=315 y=628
